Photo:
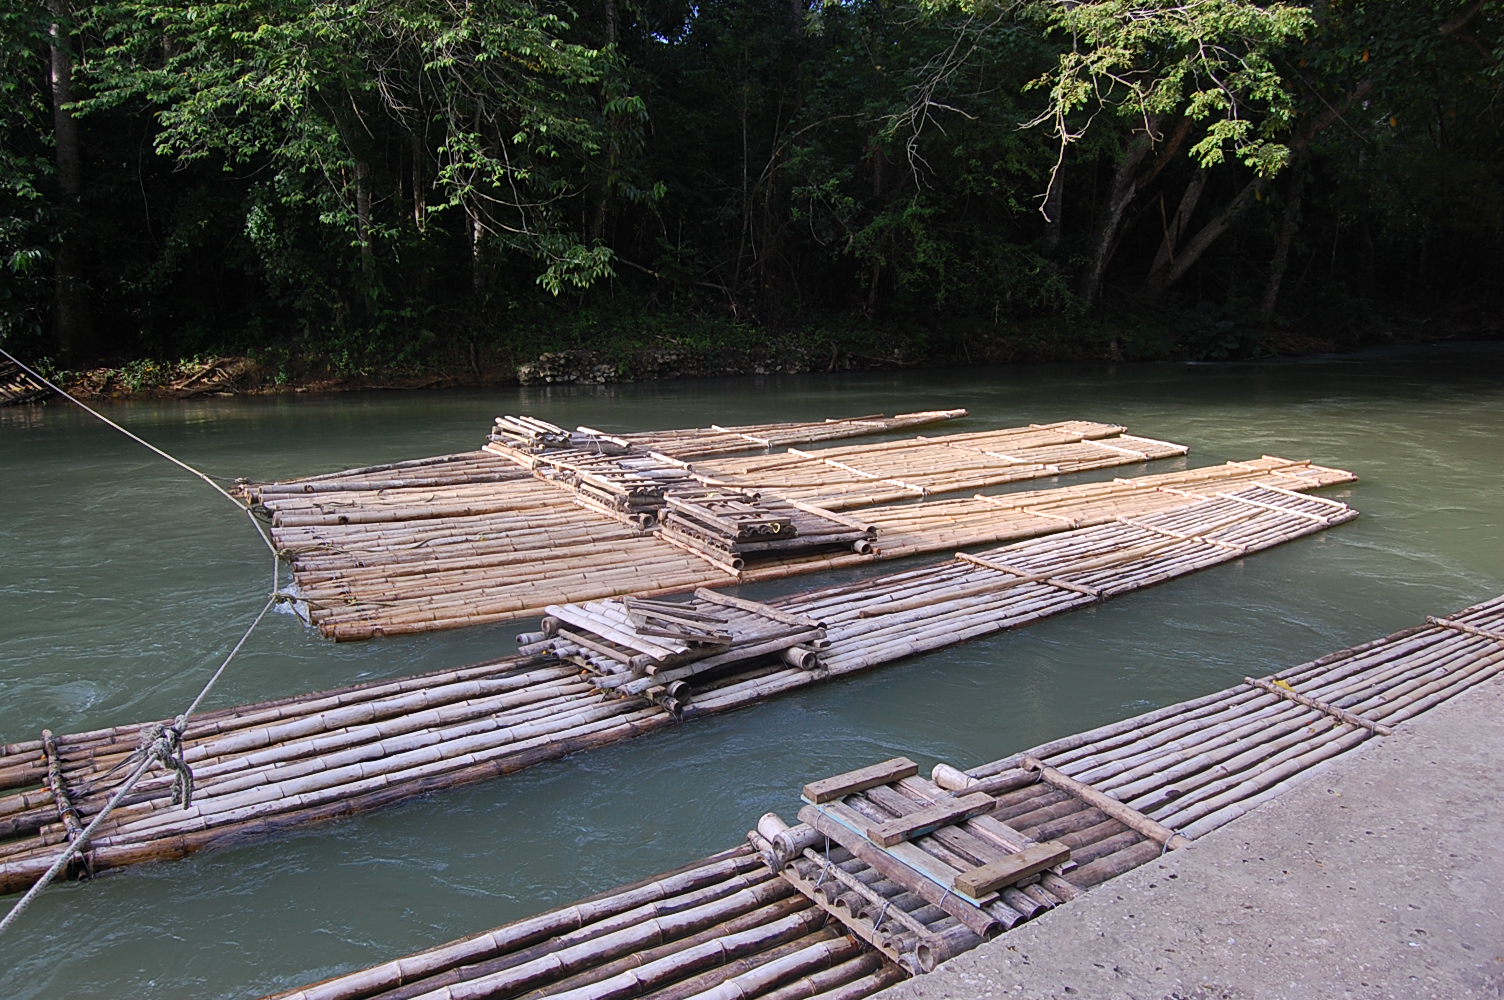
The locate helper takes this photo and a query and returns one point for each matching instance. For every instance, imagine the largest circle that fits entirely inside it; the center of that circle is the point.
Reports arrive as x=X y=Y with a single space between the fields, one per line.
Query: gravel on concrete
x=1381 y=876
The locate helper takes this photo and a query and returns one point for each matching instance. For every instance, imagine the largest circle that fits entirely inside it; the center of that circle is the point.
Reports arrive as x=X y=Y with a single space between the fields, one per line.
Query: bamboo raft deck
x=889 y=874
x=262 y=768
x=579 y=516
x=483 y=466
x=842 y=477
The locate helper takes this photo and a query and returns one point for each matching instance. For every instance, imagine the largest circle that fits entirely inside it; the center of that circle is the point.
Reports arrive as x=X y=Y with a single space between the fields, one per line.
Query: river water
x=126 y=581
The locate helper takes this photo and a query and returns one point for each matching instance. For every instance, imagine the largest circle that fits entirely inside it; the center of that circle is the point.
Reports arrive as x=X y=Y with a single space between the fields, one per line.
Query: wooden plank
x=930 y=818
x=1029 y=861
x=830 y=789
x=927 y=884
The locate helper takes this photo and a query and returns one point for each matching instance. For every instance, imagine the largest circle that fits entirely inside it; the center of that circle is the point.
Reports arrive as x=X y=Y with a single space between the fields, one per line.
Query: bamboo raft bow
x=888 y=874
x=600 y=675
x=399 y=561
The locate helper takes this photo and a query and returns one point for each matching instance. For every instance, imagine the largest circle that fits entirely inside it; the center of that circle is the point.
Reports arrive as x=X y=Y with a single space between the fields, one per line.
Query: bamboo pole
x=732 y=864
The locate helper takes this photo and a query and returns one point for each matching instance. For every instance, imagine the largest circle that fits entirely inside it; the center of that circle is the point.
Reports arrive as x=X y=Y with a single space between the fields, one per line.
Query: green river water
x=125 y=581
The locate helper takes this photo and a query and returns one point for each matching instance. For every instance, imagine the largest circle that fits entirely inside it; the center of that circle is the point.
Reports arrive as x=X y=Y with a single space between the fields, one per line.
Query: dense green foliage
x=390 y=181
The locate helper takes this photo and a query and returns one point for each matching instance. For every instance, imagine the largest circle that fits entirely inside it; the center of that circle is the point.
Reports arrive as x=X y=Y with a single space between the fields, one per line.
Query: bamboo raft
x=372 y=578
x=889 y=874
x=470 y=538
x=372 y=559
x=262 y=768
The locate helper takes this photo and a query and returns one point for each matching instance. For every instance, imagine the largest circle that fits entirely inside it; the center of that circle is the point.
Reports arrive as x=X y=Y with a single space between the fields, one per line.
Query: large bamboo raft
x=544 y=514
x=384 y=560
x=890 y=874
x=258 y=769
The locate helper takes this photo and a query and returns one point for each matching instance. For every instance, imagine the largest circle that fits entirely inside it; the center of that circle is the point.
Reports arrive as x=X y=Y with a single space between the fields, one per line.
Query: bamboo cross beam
x=929 y=819
x=1290 y=694
x=1140 y=455
x=1027 y=577
x=1268 y=506
x=760 y=441
x=1464 y=627
x=782 y=615
x=996 y=874
x=1128 y=816
x=846 y=467
x=1182 y=535
x=63 y=801
x=1112 y=559
x=1305 y=497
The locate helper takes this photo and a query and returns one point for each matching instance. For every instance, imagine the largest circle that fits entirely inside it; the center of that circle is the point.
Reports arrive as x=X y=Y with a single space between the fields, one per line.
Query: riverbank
x=1378 y=878
x=642 y=352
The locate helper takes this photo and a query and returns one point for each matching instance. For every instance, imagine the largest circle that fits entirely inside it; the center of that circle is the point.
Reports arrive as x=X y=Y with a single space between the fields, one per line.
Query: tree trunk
x=1127 y=181
x=72 y=320
x=1289 y=221
x=1160 y=280
x=1175 y=227
x=477 y=231
x=363 y=221
x=1109 y=223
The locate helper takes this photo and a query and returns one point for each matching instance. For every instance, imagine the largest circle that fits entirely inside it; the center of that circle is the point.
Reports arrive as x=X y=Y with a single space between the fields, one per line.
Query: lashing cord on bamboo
x=161 y=745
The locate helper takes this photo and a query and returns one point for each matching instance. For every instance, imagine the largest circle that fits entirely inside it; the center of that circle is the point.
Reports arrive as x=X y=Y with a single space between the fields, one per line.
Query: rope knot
x=164 y=745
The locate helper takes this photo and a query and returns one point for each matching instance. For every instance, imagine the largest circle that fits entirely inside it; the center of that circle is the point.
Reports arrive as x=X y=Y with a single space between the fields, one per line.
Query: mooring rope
x=145 y=444
x=161 y=744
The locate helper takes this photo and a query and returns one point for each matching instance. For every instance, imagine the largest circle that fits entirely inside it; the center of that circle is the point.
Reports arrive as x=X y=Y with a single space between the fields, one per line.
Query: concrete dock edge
x=1381 y=876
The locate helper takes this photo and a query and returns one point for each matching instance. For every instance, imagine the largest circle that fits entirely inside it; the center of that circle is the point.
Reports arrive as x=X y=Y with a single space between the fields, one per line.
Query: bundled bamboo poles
x=1022 y=810
x=653 y=648
x=391 y=577
x=721 y=927
x=1202 y=764
x=263 y=768
x=482 y=466
x=728 y=529
x=718 y=440
x=260 y=768
x=963 y=875
x=841 y=478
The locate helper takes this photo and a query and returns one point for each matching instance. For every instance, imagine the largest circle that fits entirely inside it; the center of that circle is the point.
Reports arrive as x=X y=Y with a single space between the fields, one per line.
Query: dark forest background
x=385 y=183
